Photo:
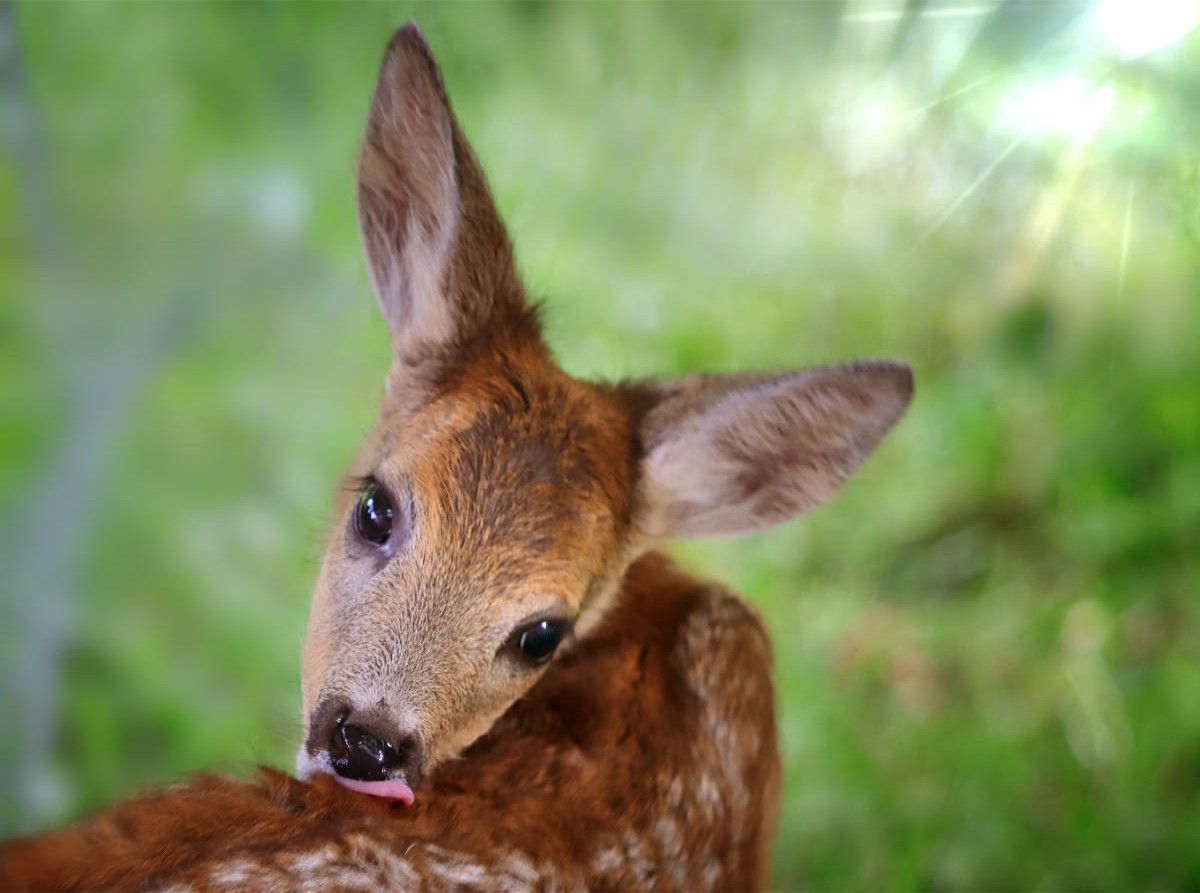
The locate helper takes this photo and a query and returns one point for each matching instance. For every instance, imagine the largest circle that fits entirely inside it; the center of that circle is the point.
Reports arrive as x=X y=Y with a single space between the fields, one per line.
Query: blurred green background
x=988 y=648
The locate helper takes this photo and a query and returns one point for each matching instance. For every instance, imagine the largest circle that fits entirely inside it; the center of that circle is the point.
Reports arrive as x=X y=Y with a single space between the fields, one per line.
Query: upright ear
x=731 y=454
x=437 y=253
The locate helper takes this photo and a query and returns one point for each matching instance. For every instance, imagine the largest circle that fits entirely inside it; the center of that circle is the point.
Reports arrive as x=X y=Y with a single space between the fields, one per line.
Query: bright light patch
x=1064 y=107
x=1136 y=27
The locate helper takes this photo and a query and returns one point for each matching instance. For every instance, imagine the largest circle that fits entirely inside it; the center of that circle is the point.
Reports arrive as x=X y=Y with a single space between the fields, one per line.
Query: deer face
x=481 y=527
x=497 y=503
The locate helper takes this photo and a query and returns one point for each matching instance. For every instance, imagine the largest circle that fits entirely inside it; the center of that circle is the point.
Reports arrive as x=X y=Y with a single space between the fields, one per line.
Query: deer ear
x=437 y=254
x=732 y=454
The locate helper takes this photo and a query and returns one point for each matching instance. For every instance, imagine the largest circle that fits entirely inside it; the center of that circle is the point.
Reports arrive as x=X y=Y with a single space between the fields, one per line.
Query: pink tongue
x=389 y=790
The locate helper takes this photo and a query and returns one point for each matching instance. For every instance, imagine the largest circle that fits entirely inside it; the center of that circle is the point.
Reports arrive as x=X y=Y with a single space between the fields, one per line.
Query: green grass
x=988 y=648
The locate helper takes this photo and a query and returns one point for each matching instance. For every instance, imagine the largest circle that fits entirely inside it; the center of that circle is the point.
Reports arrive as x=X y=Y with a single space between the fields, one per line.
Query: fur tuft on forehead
x=536 y=461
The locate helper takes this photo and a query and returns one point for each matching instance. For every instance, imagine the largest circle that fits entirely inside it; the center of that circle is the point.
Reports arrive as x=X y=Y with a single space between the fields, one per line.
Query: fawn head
x=498 y=501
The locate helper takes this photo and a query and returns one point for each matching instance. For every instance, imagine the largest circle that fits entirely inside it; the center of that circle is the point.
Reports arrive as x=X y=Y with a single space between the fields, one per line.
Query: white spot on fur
x=459 y=871
x=310 y=863
x=394 y=868
x=670 y=851
x=235 y=873
x=639 y=864
x=675 y=793
x=608 y=859
x=518 y=868
x=708 y=795
x=450 y=867
x=667 y=830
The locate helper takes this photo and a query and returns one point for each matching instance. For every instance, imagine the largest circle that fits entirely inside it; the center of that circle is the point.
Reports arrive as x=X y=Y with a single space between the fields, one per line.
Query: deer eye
x=373 y=515
x=538 y=641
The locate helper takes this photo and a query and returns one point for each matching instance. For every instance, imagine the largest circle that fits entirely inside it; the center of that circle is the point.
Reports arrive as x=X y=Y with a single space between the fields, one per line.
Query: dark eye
x=538 y=642
x=373 y=516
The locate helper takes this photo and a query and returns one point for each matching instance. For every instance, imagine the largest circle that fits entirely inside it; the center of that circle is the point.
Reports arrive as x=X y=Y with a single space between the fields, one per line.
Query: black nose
x=362 y=746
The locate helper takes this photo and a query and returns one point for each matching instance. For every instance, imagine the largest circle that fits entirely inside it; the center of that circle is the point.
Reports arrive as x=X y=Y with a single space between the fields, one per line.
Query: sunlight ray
x=893 y=15
x=885 y=17
x=858 y=122
x=975 y=184
x=1126 y=233
x=1123 y=265
x=941 y=100
x=1046 y=219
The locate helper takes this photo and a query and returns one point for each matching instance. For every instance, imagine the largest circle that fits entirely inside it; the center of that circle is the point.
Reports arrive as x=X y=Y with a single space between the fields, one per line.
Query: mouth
x=308 y=765
x=387 y=790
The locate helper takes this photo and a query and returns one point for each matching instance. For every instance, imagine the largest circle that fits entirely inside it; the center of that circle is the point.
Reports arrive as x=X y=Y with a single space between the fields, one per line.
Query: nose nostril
x=360 y=754
x=370 y=745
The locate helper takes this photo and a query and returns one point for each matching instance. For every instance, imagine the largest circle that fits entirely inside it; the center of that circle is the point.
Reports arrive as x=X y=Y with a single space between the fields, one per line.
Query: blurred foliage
x=988 y=649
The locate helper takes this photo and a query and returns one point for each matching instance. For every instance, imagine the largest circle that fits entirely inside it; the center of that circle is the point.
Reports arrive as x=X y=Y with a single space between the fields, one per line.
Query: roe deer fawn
x=489 y=629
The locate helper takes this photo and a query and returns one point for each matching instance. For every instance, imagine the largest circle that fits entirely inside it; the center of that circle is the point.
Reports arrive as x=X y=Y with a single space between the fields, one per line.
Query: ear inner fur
x=438 y=255
x=731 y=454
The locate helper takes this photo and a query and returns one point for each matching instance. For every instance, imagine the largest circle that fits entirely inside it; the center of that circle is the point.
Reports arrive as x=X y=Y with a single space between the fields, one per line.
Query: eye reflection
x=373 y=515
x=538 y=641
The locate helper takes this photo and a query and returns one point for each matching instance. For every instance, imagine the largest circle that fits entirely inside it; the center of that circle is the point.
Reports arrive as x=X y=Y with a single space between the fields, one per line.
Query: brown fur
x=647 y=760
